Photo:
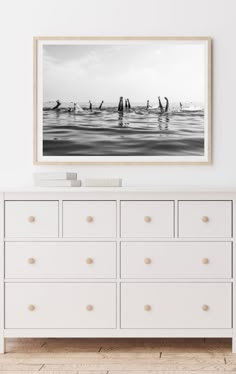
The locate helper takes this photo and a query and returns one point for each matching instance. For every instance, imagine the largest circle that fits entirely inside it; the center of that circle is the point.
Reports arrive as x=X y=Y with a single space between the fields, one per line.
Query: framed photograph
x=122 y=100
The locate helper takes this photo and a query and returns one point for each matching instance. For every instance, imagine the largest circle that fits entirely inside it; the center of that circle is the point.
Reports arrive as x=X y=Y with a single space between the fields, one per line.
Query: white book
x=58 y=183
x=102 y=182
x=55 y=176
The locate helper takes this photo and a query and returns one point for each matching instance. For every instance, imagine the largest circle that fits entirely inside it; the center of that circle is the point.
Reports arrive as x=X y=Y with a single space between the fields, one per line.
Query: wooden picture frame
x=197 y=131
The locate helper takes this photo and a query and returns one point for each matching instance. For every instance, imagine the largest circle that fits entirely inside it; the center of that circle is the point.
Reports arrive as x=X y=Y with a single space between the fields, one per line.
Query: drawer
x=60 y=260
x=31 y=219
x=205 y=219
x=60 y=305
x=176 y=260
x=89 y=219
x=179 y=305
x=147 y=219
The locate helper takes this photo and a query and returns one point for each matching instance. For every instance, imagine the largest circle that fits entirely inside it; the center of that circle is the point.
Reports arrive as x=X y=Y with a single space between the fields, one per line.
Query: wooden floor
x=118 y=356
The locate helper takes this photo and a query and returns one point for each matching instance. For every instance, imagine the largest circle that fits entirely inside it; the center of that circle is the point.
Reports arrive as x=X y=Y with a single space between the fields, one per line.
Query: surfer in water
x=100 y=106
x=90 y=105
x=70 y=108
x=57 y=105
x=148 y=104
x=181 y=106
x=161 y=106
x=121 y=105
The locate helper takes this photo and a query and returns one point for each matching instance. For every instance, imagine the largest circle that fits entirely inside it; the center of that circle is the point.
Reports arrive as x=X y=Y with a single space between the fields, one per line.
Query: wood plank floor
x=118 y=356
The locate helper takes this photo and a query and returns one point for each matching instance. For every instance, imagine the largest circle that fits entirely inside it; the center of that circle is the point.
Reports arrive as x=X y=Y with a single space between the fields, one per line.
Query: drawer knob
x=89 y=261
x=89 y=219
x=147 y=308
x=205 y=219
x=147 y=261
x=147 y=219
x=89 y=308
x=31 y=260
x=31 y=307
x=205 y=308
x=205 y=261
x=31 y=219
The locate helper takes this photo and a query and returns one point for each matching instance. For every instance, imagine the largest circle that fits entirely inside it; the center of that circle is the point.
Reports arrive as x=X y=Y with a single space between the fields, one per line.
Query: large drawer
x=89 y=219
x=179 y=305
x=147 y=219
x=205 y=219
x=60 y=260
x=31 y=219
x=60 y=305
x=176 y=260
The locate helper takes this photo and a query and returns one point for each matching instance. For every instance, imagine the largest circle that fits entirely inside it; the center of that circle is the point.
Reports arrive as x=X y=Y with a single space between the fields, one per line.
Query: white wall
x=22 y=19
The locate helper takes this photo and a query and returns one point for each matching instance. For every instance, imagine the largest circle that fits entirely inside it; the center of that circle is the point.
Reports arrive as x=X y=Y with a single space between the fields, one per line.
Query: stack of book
x=56 y=180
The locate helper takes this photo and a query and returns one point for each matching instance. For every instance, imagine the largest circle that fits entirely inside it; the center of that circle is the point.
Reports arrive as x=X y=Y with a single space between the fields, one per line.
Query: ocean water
x=137 y=132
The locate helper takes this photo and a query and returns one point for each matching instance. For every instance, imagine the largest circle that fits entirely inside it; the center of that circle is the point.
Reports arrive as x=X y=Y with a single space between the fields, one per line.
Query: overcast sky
x=136 y=71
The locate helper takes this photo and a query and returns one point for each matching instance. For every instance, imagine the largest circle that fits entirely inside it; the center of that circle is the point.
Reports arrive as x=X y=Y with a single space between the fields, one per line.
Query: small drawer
x=31 y=219
x=60 y=305
x=179 y=305
x=89 y=219
x=204 y=219
x=176 y=260
x=60 y=260
x=147 y=219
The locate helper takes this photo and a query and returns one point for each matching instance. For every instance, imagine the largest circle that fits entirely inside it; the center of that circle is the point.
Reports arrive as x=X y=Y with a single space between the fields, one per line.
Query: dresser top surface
x=141 y=189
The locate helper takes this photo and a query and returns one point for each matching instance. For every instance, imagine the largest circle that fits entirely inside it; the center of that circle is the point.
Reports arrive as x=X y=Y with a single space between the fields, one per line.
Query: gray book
x=55 y=176
x=103 y=182
x=58 y=183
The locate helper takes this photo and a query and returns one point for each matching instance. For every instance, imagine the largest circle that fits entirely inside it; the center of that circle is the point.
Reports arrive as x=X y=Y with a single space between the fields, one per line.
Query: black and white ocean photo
x=144 y=100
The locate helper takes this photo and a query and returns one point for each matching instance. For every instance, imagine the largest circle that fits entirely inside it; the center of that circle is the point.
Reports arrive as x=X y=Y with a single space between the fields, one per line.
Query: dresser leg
x=2 y=344
x=234 y=344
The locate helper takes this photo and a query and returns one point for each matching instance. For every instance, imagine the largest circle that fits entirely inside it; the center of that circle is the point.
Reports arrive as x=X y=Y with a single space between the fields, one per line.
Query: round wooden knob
x=205 y=261
x=205 y=219
x=147 y=261
x=147 y=308
x=205 y=308
x=31 y=219
x=31 y=307
x=89 y=261
x=89 y=219
x=89 y=307
x=147 y=219
x=31 y=260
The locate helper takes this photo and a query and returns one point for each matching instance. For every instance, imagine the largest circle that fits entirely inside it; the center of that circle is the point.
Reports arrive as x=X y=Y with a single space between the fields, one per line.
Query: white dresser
x=117 y=263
